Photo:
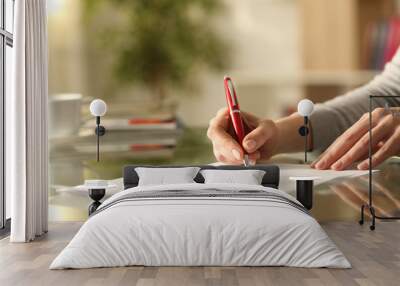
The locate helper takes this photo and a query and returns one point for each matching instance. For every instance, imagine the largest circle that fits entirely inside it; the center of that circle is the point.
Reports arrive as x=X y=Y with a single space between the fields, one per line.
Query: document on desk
x=299 y=170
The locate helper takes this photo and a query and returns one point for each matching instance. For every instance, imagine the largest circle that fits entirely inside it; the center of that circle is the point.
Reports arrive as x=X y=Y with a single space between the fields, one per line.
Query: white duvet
x=200 y=231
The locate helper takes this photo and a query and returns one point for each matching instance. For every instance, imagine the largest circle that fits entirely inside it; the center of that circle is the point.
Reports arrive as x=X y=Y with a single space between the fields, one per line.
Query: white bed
x=241 y=229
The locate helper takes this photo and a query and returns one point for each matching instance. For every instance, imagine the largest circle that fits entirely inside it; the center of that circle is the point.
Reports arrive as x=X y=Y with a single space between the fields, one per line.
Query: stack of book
x=132 y=137
x=381 y=41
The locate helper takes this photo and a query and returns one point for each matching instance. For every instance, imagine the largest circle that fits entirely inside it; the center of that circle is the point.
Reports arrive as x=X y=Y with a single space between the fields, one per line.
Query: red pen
x=234 y=111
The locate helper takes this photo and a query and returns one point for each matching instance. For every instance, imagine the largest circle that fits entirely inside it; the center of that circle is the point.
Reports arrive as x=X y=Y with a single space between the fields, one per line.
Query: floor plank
x=375 y=257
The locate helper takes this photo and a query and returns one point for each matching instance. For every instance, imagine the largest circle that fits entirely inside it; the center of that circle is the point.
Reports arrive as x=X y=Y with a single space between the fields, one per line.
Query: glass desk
x=337 y=200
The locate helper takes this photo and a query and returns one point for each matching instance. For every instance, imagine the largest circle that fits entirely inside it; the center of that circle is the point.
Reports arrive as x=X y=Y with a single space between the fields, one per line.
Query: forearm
x=332 y=118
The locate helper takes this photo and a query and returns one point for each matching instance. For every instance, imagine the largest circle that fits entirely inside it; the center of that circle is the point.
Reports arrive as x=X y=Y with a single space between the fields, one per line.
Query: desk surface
x=337 y=200
x=341 y=199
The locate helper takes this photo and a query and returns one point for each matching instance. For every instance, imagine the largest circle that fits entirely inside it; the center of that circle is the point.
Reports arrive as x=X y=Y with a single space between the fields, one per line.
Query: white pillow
x=248 y=177
x=163 y=176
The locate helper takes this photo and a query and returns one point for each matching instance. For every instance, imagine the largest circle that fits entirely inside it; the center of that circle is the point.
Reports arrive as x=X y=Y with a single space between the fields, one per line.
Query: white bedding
x=188 y=231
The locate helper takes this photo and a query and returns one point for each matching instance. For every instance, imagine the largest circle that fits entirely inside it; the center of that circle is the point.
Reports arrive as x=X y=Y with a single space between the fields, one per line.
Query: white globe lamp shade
x=305 y=107
x=98 y=107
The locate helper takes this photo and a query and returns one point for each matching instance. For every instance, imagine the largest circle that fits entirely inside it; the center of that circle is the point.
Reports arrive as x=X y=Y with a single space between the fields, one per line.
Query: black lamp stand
x=303 y=131
x=370 y=205
x=100 y=131
x=97 y=194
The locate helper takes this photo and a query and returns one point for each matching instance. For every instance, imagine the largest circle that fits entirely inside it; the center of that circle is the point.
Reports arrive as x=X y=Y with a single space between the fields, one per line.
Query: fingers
x=389 y=148
x=218 y=123
x=334 y=152
x=221 y=118
x=258 y=137
x=316 y=161
x=250 y=119
x=253 y=157
x=360 y=149
x=346 y=141
x=226 y=149
x=226 y=157
x=340 y=146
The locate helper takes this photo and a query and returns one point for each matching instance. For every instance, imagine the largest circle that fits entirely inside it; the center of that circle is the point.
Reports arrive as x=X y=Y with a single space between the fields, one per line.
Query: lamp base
x=96 y=195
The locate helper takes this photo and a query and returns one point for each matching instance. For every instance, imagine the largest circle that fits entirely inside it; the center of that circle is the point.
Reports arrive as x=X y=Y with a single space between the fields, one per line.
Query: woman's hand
x=227 y=149
x=353 y=145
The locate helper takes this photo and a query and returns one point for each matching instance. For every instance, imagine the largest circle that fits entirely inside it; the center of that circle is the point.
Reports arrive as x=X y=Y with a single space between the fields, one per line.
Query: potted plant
x=160 y=44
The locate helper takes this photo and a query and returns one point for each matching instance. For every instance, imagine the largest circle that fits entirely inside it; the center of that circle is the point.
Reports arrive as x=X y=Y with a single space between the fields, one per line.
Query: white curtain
x=26 y=123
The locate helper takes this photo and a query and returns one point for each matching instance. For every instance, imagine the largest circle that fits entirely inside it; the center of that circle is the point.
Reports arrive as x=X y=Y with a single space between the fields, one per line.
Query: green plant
x=163 y=42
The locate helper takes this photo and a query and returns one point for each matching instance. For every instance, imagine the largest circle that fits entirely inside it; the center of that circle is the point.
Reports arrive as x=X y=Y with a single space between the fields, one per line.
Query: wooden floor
x=375 y=257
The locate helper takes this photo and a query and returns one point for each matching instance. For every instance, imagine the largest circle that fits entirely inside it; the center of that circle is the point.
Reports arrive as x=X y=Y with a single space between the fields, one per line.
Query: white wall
x=67 y=69
x=265 y=36
x=265 y=44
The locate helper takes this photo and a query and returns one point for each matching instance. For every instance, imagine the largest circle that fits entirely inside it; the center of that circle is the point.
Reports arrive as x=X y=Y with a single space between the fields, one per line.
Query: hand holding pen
x=249 y=132
x=260 y=141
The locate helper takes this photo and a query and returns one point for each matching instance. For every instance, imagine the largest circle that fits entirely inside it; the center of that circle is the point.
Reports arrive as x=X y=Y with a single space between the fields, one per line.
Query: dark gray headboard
x=271 y=177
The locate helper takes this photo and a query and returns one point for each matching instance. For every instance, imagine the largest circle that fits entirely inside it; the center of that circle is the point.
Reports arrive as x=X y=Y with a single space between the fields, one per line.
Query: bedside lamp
x=97 y=188
x=98 y=108
x=305 y=108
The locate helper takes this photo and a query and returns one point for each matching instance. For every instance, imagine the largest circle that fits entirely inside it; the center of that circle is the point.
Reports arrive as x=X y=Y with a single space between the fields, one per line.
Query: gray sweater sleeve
x=330 y=119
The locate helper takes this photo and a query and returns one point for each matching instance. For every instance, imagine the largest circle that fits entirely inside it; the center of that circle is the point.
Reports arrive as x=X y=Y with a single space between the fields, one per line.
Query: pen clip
x=232 y=92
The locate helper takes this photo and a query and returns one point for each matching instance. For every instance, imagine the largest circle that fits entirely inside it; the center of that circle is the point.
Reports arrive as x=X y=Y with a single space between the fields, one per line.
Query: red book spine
x=392 y=40
x=397 y=37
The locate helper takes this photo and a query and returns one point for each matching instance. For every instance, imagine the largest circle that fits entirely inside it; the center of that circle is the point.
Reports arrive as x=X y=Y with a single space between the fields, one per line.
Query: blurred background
x=159 y=65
